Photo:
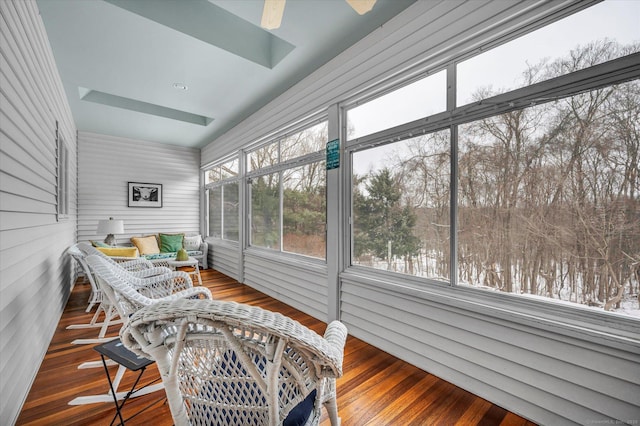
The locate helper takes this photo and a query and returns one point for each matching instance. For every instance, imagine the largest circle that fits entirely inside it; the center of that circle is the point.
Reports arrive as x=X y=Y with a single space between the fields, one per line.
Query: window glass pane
x=215 y=212
x=595 y=35
x=265 y=211
x=304 y=206
x=419 y=99
x=549 y=200
x=62 y=171
x=263 y=157
x=230 y=211
x=308 y=141
x=229 y=169
x=401 y=206
x=212 y=175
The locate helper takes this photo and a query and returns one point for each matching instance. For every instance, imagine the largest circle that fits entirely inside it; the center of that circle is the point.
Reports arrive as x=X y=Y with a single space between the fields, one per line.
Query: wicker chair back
x=224 y=363
x=128 y=292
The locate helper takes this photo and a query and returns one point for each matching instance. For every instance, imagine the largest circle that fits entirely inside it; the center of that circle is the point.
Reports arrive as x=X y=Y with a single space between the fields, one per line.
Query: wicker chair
x=95 y=298
x=128 y=293
x=224 y=363
x=140 y=268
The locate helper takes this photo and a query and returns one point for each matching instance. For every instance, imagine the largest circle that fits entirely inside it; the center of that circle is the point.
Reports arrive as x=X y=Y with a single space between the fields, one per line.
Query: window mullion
x=612 y=72
x=453 y=208
x=453 y=173
x=222 y=212
x=281 y=218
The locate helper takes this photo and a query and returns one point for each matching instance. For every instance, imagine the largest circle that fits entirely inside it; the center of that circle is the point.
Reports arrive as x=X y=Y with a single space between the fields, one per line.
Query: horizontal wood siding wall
x=108 y=163
x=527 y=369
x=35 y=274
x=303 y=286
x=225 y=257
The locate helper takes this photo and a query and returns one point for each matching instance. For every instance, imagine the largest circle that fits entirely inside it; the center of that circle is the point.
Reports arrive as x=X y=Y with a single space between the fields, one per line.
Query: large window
x=287 y=181
x=265 y=211
x=401 y=206
x=594 y=35
x=222 y=183
x=421 y=98
x=525 y=183
x=549 y=200
x=547 y=180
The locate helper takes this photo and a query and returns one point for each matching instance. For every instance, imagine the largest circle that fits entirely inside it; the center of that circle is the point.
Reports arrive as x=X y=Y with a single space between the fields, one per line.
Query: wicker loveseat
x=161 y=246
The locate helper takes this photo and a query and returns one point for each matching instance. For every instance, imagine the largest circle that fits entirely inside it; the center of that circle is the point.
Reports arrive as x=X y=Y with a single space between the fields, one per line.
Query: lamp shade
x=110 y=227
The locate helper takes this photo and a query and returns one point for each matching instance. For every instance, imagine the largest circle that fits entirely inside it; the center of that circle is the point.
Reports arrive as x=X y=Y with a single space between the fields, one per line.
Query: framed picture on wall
x=145 y=194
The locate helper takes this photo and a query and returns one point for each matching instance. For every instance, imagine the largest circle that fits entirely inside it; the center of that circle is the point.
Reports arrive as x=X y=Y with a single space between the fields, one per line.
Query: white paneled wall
x=543 y=371
x=108 y=163
x=301 y=285
x=35 y=275
x=226 y=257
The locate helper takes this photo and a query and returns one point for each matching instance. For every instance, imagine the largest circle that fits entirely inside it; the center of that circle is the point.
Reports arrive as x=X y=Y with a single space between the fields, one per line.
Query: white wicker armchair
x=128 y=293
x=224 y=363
x=140 y=269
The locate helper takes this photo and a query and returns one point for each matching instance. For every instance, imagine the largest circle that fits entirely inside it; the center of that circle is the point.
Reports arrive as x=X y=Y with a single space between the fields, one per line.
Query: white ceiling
x=119 y=59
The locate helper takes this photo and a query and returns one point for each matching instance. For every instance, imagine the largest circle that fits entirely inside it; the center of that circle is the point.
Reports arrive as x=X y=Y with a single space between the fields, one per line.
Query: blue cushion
x=299 y=415
x=170 y=255
x=159 y=256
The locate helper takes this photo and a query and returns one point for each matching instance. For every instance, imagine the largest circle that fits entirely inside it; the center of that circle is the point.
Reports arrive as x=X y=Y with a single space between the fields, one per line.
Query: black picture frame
x=144 y=194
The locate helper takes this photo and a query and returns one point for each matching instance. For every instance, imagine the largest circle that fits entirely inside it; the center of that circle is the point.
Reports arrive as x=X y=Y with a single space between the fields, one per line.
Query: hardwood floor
x=376 y=389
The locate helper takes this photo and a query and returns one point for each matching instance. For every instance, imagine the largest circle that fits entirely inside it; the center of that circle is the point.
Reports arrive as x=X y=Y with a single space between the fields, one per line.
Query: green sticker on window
x=333 y=154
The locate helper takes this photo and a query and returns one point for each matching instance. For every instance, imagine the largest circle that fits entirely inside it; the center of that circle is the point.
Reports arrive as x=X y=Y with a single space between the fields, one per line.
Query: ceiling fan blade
x=361 y=6
x=272 y=14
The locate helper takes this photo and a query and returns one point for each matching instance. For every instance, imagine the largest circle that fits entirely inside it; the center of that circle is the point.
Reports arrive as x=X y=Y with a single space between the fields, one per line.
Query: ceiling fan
x=274 y=9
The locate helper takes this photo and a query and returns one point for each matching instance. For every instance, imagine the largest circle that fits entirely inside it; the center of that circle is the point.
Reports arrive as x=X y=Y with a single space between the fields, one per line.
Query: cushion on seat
x=146 y=245
x=119 y=251
x=170 y=255
x=299 y=415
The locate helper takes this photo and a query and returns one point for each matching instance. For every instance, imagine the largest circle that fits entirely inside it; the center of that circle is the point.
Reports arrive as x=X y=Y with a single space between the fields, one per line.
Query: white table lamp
x=110 y=227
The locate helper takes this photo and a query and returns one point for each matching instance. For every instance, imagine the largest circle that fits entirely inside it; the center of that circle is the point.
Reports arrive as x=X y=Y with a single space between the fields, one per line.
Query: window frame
x=605 y=74
x=221 y=184
x=63 y=203
x=280 y=167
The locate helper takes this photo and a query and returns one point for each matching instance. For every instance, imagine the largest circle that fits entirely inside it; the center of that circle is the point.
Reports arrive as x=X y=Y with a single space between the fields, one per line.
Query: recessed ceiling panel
x=143 y=107
x=214 y=25
x=130 y=53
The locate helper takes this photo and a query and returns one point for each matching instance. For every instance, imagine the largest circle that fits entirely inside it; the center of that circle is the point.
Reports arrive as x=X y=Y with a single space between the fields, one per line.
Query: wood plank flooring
x=376 y=389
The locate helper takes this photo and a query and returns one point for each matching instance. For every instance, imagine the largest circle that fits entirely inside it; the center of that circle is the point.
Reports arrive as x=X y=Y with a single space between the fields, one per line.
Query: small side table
x=116 y=351
x=191 y=262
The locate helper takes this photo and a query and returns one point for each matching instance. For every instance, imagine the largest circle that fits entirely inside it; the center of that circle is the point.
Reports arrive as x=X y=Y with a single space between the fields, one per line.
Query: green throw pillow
x=170 y=243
